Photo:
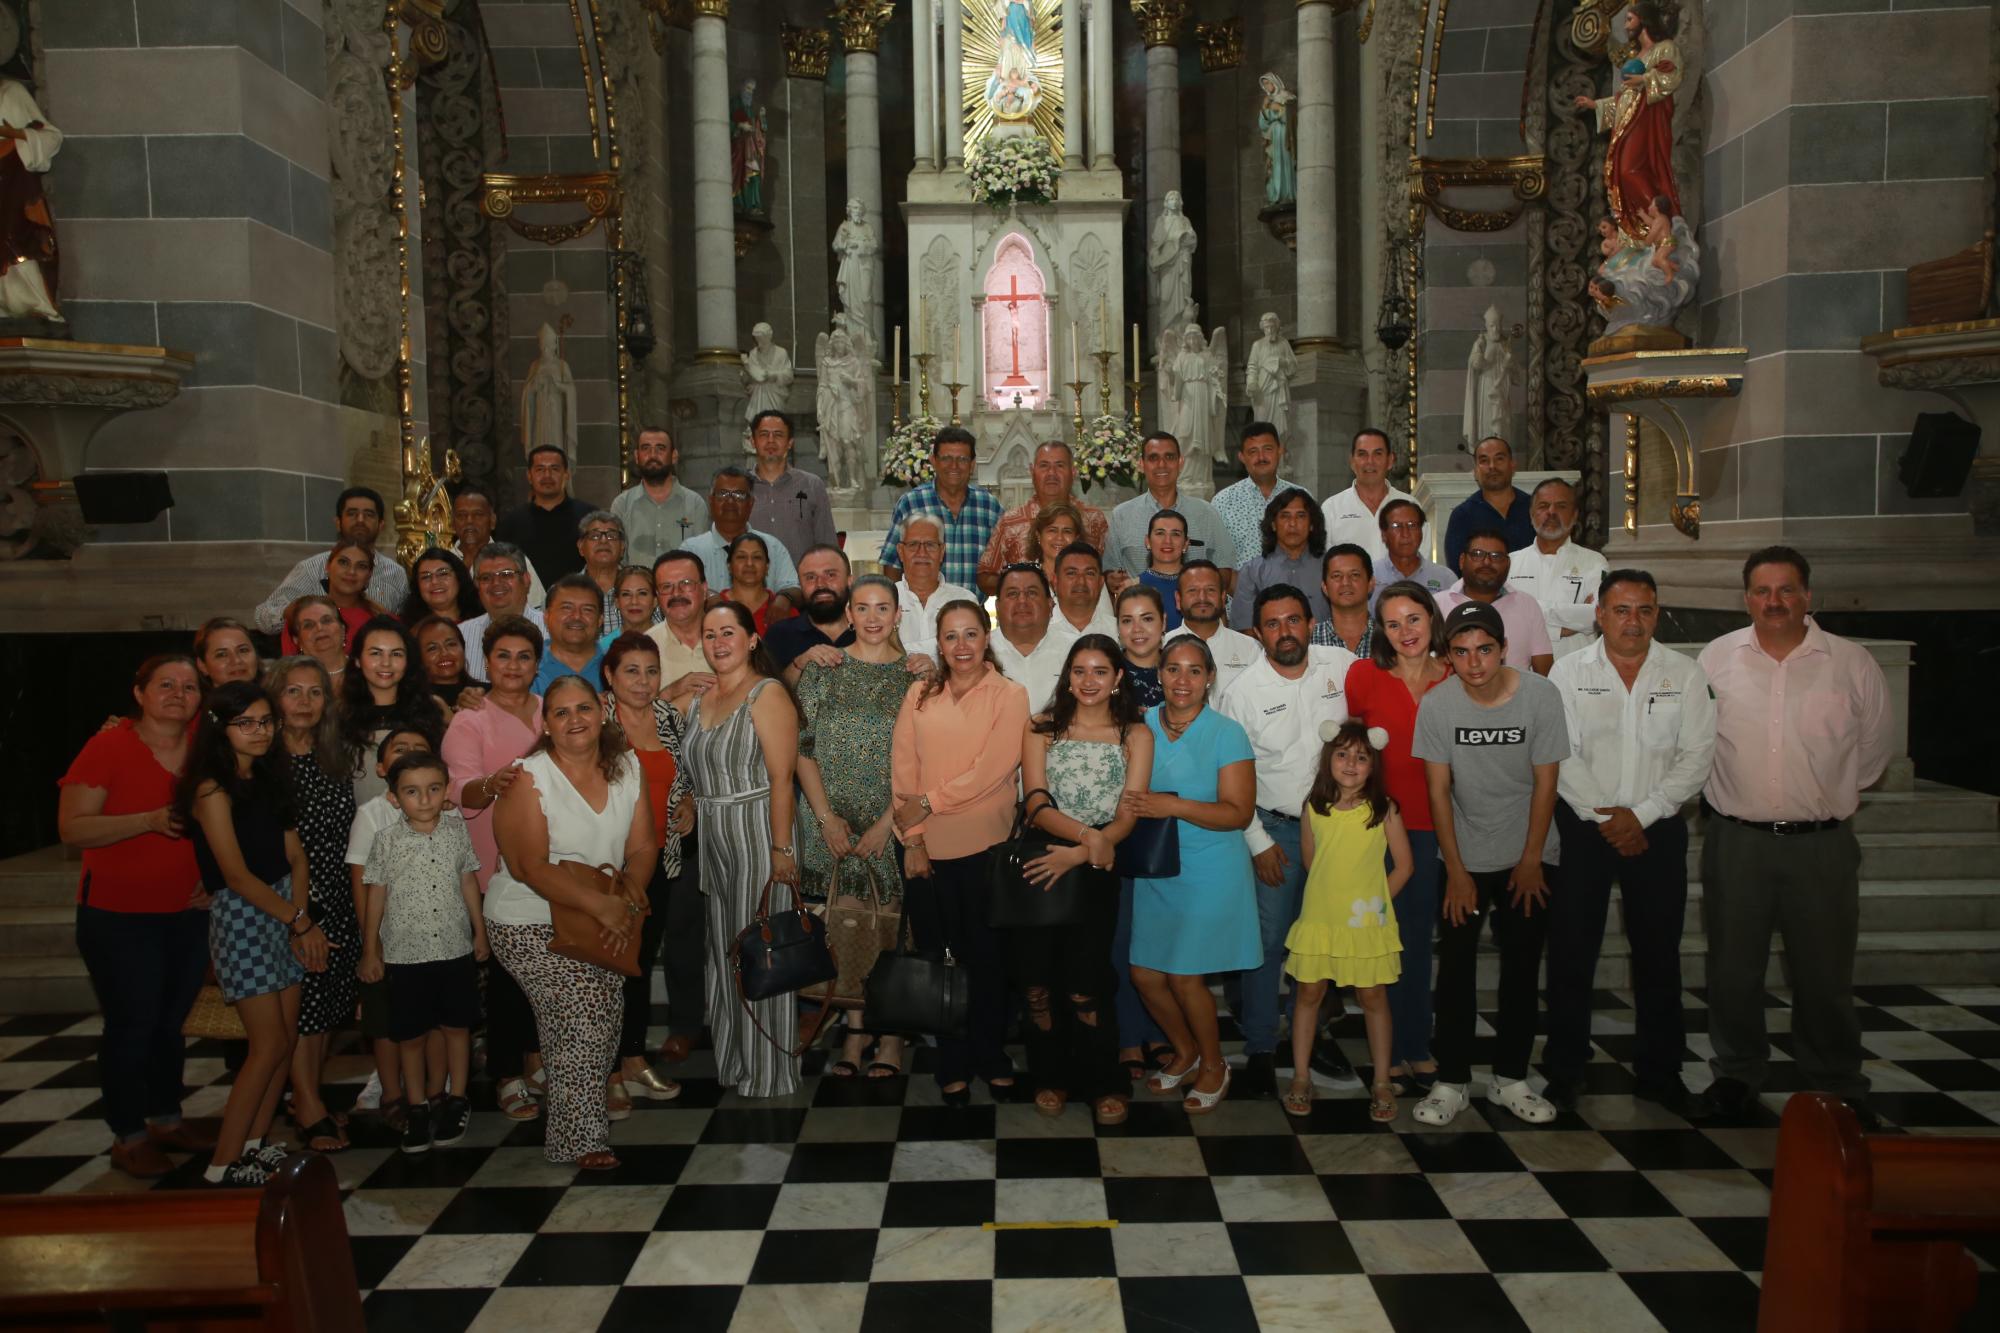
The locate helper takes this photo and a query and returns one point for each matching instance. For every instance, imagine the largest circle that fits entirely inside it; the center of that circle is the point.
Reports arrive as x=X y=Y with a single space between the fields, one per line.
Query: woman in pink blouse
x=956 y=751
x=482 y=749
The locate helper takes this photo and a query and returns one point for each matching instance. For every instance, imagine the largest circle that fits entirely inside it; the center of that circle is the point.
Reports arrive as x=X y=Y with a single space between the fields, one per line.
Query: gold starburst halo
x=985 y=23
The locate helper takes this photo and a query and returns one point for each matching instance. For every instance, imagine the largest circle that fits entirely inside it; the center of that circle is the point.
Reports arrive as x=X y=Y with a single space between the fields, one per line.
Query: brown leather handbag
x=859 y=929
x=579 y=936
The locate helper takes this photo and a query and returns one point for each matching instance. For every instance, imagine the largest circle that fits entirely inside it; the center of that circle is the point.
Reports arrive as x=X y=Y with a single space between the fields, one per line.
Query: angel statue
x=1281 y=170
x=1639 y=163
x=1194 y=397
x=846 y=360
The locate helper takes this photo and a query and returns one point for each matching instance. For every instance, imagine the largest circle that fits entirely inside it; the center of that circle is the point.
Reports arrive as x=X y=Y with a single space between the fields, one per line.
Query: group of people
x=1358 y=763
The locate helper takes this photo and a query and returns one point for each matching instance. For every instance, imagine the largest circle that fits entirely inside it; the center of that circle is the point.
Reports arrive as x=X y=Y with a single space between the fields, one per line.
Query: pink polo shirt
x=1527 y=627
x=963 y=754
x=1796 y=739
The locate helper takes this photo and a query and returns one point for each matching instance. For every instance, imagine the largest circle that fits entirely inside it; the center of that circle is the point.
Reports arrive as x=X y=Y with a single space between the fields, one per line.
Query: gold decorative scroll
x=983 y=24
x=597 y=191
x=1160 y=21
x=1664 y=386
x=808 y=51
x=1220 y=43
x=862 y=21
x=1430 y=177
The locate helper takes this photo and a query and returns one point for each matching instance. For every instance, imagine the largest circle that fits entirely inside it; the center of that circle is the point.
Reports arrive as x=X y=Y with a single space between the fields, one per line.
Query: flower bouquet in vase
x=1107 y=454
x=1016 y=169
x=906 y=454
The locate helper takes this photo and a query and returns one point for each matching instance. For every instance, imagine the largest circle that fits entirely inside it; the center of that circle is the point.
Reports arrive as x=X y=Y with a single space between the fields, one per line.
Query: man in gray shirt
x=1492 y=739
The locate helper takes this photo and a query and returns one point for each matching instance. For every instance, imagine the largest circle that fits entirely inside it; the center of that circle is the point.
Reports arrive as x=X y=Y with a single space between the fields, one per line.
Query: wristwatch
x=782 y=849
x=925 y=802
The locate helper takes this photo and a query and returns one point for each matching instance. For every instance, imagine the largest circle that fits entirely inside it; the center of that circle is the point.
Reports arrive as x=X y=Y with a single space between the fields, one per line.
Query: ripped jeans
x=1064 y=974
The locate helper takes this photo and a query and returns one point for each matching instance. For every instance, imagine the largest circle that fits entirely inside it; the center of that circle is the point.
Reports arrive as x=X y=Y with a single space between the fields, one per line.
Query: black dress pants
x=1519 y=937
x=951 y=908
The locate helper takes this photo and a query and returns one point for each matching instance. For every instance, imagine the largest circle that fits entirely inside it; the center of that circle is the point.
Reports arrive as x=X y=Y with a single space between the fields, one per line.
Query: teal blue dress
x=1205 y=918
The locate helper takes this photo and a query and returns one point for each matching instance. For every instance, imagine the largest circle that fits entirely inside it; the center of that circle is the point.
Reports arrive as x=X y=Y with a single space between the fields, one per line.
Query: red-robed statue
x=1638 y=165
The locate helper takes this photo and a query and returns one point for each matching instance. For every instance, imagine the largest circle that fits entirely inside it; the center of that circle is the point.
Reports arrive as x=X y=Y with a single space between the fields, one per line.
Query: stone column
x=1102 y=92
x=1072 y=61
x=923 y=39
x=714 y=221
x=1317 y=276
x=953 y=109
x=861 y=23
x=1160 y=26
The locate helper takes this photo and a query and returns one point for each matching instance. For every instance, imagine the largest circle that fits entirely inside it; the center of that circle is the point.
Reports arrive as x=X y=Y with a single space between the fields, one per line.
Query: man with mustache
x=682 y=591
x=825 y=628
x=1029 y=643
x=1402 y=525
x=575 y=620
x=658 y=512
x=1054 y=474
x=501 y=578
x=1199 y=590
x=1484 y=563
x=1801 y=727
x=1642 y=727
x=1559 y=574
x=1281 y=701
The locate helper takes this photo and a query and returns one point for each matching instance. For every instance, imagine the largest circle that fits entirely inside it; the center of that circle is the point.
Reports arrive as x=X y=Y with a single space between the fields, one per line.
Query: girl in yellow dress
x=1346 y=933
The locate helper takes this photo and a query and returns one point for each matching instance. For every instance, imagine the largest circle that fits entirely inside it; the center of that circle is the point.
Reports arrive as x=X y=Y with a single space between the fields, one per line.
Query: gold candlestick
x=952 y=387
x=1103 y=381
x=923 y=360
x=896 y=404
x=1134 y=385
x=1075 y=388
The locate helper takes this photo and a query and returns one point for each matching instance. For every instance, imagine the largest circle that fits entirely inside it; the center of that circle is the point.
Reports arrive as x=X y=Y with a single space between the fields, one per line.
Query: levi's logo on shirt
x=1491 y=735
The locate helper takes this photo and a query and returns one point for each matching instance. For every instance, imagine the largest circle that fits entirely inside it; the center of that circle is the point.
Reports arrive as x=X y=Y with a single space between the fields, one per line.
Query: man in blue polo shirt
x=1498 y=503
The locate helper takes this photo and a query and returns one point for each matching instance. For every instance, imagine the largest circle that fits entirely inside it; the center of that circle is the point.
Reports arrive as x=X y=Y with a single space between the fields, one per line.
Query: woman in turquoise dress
x=847 y=833
x=1205 y=918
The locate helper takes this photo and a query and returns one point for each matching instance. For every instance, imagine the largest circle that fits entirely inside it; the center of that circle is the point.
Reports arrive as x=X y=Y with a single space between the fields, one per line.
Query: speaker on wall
x=123 y=497
x=1939 y=456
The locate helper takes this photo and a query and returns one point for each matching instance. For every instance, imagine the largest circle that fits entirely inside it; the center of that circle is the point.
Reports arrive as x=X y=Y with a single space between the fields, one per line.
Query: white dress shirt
x=1102 y=620
x=1234 y=653
x=917 y=626
x=1565 y=584
x=1647 y=748
x=1037 y=670
x=1282 y=717
x=1349 y=519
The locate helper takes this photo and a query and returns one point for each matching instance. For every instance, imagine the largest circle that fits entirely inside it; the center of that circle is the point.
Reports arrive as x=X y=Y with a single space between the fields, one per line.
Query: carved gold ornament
x=597 y=191
x=1221 y=44
x=862 y=21
x=1430 y=177
x=808 y=51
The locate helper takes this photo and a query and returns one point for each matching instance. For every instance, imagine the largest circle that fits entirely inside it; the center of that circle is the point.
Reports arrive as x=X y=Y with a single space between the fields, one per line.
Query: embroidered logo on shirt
x=1491 y=735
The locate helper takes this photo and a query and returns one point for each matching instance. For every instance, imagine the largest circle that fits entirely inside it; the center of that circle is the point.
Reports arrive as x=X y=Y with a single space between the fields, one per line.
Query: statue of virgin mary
x=1013 y=89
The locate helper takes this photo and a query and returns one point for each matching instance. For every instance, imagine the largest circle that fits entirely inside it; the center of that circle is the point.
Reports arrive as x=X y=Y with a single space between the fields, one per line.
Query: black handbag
x=1018 y=901
x=779 y=955
x=913 y=990
x=1152 y=850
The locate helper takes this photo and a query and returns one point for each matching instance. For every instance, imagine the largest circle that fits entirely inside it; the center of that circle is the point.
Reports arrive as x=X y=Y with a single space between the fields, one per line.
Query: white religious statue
x=846 y=364
x=767 y=374
x=1013 y=89
x=854 y=245
x=1267 y=375
x=1194 y=398
x=548 y=400
x=1170 y=256
x=28 y=146
x=1489 y=368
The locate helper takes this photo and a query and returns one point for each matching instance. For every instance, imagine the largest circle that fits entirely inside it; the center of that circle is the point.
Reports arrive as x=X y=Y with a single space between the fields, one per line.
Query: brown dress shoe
x=141 y=1159
x=182 y=1137
x=676 y=1049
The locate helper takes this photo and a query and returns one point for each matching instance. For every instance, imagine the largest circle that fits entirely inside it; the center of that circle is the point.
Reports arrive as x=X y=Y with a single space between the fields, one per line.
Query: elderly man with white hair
x=922 y=590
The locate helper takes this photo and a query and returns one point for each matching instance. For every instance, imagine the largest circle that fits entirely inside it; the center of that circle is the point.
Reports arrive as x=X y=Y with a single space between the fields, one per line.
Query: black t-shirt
x=793 y=635
x=549 y=536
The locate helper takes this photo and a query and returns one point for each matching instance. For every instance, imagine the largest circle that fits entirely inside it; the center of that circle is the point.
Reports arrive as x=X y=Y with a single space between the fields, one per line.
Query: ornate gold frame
x=501 y=192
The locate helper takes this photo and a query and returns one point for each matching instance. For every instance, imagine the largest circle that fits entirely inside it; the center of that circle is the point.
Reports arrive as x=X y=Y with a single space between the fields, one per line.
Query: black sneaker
x=449 y=1120
x=1260 y=1076
x=417 y=1132
x=1561 y=1092
x=1727 y=1100
x=249 y=1172
x=1329 y=1059
x=1670 y=1094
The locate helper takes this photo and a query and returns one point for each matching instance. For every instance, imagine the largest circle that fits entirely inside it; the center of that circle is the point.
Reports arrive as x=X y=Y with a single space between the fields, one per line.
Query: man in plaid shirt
x=965 y=513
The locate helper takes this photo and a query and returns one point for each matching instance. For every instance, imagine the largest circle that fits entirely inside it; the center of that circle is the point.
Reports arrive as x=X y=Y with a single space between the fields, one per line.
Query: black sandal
x=324 y=1129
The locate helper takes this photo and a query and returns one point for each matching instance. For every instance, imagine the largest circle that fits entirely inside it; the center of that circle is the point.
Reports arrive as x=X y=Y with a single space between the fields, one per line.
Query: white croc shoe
x=1523 y=1101
x=1442 y=1106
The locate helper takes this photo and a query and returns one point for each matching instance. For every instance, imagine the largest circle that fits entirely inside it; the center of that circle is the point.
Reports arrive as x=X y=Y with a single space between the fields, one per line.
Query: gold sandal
x=1298 y=1099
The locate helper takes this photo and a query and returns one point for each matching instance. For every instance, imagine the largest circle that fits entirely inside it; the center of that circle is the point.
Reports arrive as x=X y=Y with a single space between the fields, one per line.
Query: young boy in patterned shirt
x=422 y=931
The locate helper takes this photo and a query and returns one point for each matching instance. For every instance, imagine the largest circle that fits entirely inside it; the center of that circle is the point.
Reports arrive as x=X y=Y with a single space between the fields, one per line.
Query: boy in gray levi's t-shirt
x=1493 y=753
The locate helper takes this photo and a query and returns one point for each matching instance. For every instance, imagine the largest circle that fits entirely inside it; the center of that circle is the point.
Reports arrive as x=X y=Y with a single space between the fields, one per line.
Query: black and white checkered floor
x=868 y=1205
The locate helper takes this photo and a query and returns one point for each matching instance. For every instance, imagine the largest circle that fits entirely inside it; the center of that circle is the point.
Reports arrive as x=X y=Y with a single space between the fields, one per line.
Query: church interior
x=1725 y=267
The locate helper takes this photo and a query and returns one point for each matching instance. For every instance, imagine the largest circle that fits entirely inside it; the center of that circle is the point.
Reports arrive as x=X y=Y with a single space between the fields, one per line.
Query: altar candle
x=954 y=349
x=1103 y=322
x=1073 y=372
x=896 y=357
x=1134 y=367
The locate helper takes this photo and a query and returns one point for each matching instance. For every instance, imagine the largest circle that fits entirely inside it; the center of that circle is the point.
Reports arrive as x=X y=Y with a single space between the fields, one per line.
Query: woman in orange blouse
x=956 y=751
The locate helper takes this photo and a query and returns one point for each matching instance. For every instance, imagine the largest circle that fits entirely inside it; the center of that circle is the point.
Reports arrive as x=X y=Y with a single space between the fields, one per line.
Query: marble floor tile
x=695 y=1258
x=846 y=1206
x=1621 y=1111
x=65 y=1138
x=851 y=1124
x=544 y=1309
x=456 y=1261
x=1494 y=1195
x=660 y=1127
x=1755 y=1149
x=1413 y=1247
x=1150 y=1157
x=945 y=1159
x=737 y=1164
x=1910 y=1046
x=522 y=1167
x=598 y=1208
x=46 y=1104
x=1966 y=994
x=1173 y=1249
x=1653 y=1244
x=354 y=1166
x=1939 y=1017
x=1316 y=1304
x=1565 y=1150
x=1058 y=1305
x=1357 y=1154
x=395 y=1212
x=805 y=1307
x=98 y=1176
x=16 y=1075
x=1713 y=1193
x=933 y=1254
x=1015 y=1121
x=1271 y=1199
x=1248 y=1117
x=1051 y=1199
x=1569 y=1302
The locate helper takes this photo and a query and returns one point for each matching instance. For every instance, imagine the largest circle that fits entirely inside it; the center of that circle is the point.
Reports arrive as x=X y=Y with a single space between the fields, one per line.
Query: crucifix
x=1015 y=296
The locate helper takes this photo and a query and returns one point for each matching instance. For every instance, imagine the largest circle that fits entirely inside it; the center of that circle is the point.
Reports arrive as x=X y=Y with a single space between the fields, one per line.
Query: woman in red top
x=631 y=673
x=749 y=567
x=141 y=919
x=348 y=570
x=1383 y=691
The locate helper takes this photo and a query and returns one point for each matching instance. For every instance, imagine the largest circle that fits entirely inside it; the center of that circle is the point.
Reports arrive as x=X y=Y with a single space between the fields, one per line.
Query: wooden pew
x=1866 y=1230
x=275 y=1258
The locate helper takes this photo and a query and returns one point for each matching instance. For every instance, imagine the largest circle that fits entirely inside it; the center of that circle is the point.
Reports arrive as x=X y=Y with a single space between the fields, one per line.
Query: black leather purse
x=913 y=990
x=783 y=952
x=1018 y=901
x=1152 y=850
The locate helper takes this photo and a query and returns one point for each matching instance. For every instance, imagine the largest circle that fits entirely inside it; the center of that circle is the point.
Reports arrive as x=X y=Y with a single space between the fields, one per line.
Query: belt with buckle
x=1277 y=814
x=1783 y=828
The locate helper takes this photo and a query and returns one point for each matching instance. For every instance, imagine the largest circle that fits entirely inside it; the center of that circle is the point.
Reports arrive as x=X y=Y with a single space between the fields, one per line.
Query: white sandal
x=1161 y=1081
x=1522 y=1100
x=1198 y=1102
x=1442 y=1106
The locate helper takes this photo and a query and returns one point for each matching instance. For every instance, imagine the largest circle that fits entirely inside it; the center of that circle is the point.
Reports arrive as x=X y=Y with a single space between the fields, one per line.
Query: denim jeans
x=1416 y=921
x=147 y=968
x=1254 y=995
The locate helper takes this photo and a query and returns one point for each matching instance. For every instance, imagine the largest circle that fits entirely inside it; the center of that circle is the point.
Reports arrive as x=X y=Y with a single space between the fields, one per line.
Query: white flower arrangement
x=1108 y=453
x=1016 y=169
x=906 y=455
